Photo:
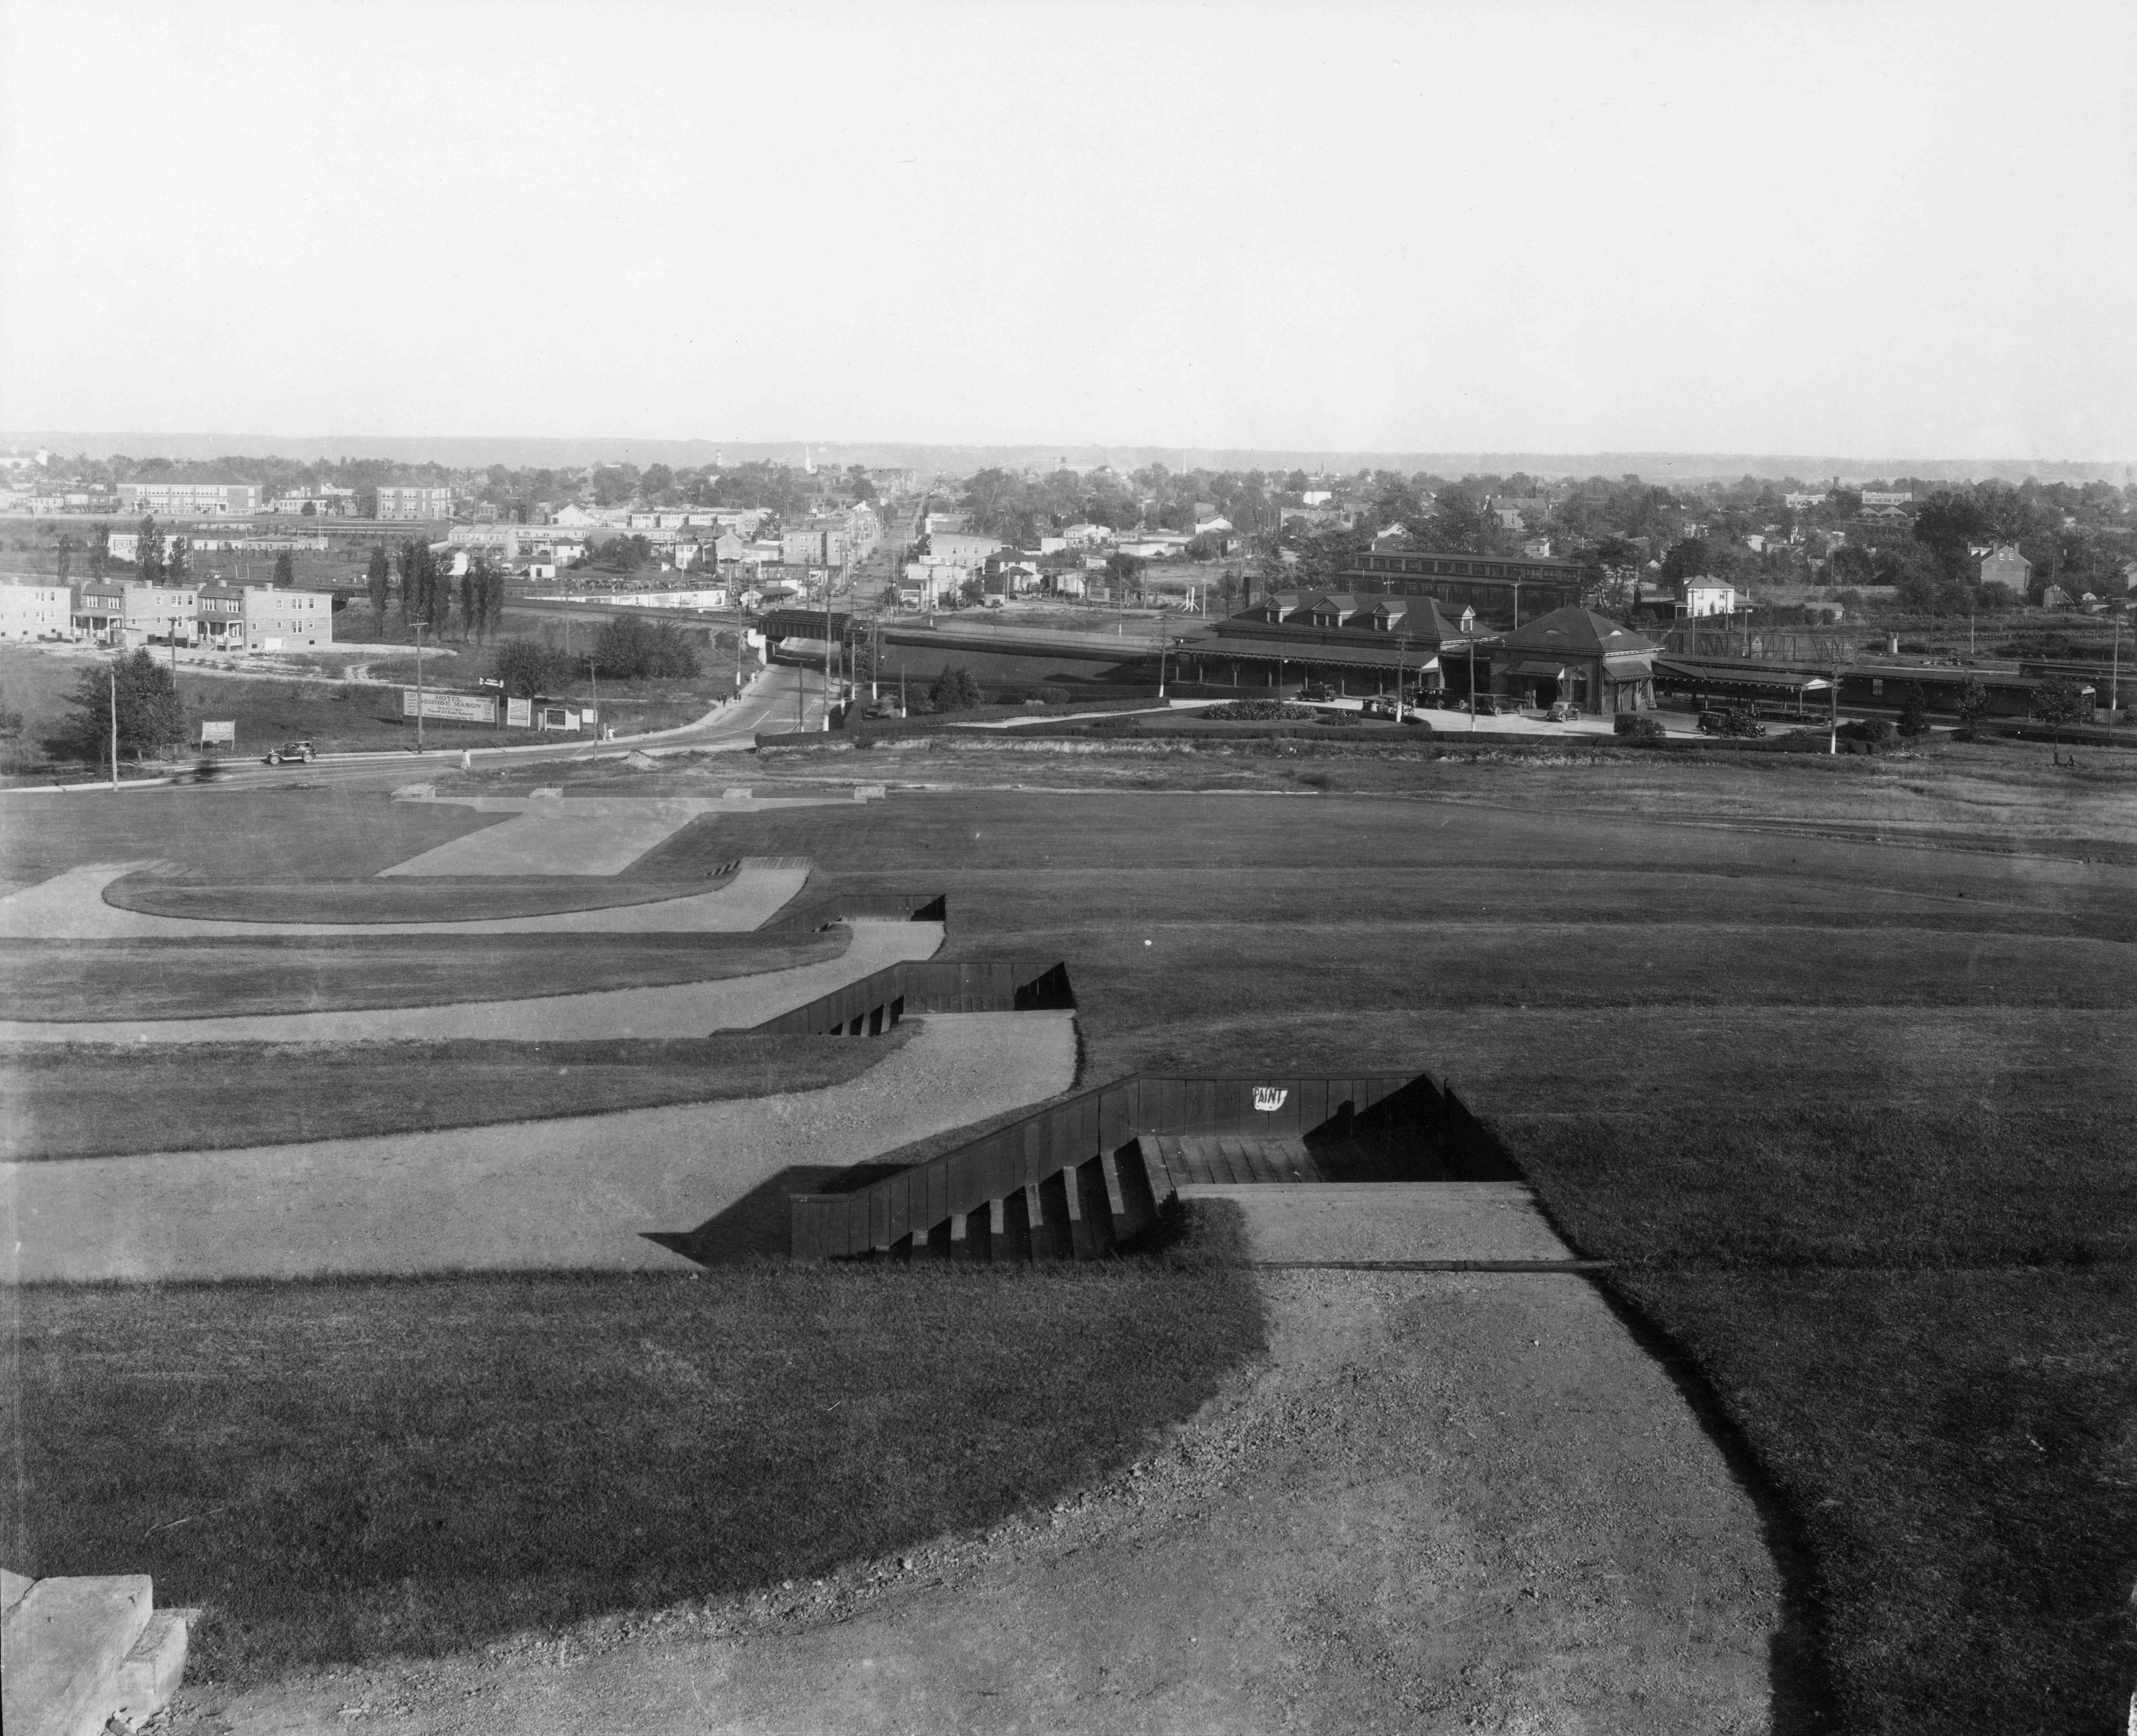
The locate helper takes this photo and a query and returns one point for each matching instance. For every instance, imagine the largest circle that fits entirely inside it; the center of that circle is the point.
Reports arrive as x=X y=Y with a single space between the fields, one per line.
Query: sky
x=1861 y=229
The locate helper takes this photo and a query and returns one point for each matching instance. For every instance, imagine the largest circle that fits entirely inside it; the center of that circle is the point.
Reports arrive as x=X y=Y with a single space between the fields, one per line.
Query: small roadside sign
x=213 y=734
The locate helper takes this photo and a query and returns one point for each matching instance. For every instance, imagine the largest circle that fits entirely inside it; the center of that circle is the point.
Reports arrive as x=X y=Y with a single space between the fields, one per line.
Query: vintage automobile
x=1378 y=707
x=1564 y=712
x=300 y=751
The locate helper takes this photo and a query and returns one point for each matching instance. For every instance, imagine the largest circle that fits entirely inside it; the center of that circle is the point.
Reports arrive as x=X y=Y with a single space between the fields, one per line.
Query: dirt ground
x=1446 y=1502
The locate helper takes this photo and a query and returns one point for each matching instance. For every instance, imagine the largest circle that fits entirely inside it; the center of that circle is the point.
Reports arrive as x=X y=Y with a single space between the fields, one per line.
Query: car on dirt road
x=1316 y=692
x=289 y=750
x=1377 y=706
x=1564 y=712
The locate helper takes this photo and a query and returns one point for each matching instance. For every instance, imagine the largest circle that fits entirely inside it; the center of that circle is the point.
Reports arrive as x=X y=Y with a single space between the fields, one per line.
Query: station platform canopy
x=1734 y=679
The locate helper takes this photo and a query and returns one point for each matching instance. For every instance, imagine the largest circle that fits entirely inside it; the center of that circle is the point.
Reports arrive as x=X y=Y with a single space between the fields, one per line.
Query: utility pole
x=1472 y=687
x=115 y=727
x=419 y=626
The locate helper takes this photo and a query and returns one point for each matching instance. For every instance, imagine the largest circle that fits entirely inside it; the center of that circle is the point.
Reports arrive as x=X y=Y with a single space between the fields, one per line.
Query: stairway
x=1091 y=1172
x=80 y=1652
x=1066 y=1211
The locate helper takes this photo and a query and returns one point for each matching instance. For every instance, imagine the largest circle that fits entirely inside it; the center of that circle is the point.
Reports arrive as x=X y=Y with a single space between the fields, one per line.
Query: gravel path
x=564 y=1194
x=578 y=835
x=678 y=1009
x=70 y=907
x=1447 y=1502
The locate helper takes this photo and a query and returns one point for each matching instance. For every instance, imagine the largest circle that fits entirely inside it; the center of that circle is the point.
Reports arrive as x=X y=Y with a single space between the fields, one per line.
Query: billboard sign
x=211 y=733
x=448 y=708
x=519 y=714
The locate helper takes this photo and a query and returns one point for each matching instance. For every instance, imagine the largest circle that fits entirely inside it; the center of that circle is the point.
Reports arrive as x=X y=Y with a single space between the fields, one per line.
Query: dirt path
x=1447 y=1502
x=577 y=1192
x=71 y=907
x=582 y=836
x=677 y=1009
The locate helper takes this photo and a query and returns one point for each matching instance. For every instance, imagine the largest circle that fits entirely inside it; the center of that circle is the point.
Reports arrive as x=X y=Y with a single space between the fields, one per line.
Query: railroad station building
x=1355 y=644
x=1577 y=655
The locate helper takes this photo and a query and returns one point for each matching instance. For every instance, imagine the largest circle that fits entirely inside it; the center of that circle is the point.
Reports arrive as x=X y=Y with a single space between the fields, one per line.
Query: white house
x=35 y=611
x=1707 y=596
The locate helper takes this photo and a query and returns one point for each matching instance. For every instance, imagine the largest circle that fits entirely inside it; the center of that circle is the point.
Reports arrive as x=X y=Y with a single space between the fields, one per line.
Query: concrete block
x=13 y=1588
x=547 y=793
x=150 y=1673
x=739 y=793
x=868 y=792
x=416 y=793
x=64 y=1644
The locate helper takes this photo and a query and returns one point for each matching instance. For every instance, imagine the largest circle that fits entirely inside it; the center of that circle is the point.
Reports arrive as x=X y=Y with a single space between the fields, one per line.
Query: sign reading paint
x=211 y=733
x=1270 y=1098
x=448 y=708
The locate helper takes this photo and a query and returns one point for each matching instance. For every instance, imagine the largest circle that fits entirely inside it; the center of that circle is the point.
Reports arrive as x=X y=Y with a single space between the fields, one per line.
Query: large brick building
x=193 y=499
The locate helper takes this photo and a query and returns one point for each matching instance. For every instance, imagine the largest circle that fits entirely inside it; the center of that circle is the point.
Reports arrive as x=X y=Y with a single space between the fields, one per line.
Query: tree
x=1914 y=711
x=2060 y=700
x=148 y=552
x=954 y=690
x=11 y=721
x=65 y=558
x=1692 y=558
x=378 y=582
x=150 y=714
x=527 y=667
x=285 y=568
x=630 y=649
x=1850 y=564
x=1973 y=701
x=174 y=561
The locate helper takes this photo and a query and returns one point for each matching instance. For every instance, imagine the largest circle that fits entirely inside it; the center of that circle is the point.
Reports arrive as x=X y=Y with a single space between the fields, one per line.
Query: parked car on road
x=1316 y=692
x=290 y=751
x=1377 y=706
x=1730 y=723
x=1564 y=712
x=1488 y=706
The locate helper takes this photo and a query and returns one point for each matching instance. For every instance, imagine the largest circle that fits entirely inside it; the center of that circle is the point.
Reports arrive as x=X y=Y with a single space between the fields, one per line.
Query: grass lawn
x=108 y=1101
x=227 y=837
x=1854 y=1117
x=1851 y=1116
x=402 y=898
x=341 y=1469
x=89 y=980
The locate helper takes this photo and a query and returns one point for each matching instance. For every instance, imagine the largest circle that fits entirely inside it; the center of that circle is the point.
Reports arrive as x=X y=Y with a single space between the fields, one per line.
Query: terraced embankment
x=578 y=1192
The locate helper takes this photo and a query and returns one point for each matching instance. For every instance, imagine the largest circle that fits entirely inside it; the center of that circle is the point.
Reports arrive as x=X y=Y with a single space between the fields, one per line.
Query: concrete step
x=151 y=1671
x=64 y=1642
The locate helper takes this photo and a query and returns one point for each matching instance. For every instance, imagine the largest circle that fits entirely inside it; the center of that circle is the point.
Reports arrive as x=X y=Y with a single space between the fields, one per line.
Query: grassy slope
x=345 y=1469
x=1795 y=1080
x=1943 y=1021
x=62 y=1103
x=75 y=979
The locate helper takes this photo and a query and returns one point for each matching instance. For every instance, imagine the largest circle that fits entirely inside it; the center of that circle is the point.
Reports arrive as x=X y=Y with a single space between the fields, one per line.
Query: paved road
x=771 y=703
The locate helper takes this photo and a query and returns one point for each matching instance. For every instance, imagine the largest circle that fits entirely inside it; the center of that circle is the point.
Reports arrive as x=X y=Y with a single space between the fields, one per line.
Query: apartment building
x=263 y=618
x=414 y=502
x=196 y=499
x=35 y=611
x=127 y=613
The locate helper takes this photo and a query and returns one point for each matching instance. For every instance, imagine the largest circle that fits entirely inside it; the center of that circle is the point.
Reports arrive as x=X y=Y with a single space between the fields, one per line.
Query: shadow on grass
x=338 y=1470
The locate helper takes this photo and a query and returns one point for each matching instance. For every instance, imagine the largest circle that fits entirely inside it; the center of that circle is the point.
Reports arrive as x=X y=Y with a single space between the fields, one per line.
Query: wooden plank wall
x=1088 y=1124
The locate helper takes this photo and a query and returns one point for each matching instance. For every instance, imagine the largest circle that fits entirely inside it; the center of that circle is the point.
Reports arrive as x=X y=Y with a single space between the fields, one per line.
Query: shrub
x=1638 y=725
x=954 y=690
x=1259 y=711
x=527 y=667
